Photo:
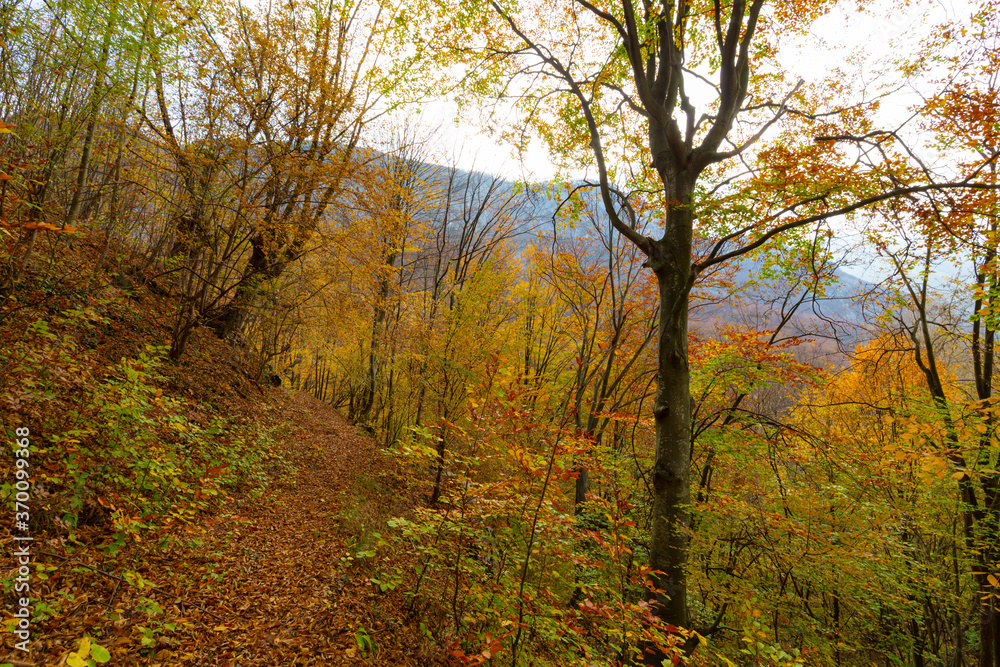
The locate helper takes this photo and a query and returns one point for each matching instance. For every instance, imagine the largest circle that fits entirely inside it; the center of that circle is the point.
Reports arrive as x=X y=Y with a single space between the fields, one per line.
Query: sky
x=874 y=38
x=834 y=38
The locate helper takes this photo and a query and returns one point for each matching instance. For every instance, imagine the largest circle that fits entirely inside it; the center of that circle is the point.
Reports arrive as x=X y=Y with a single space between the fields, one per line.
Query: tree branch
x=715 y=258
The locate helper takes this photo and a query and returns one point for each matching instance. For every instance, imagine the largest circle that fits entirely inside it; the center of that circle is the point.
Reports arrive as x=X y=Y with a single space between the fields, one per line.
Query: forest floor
x=269 y=572
x=289 y=593
x=274 y=580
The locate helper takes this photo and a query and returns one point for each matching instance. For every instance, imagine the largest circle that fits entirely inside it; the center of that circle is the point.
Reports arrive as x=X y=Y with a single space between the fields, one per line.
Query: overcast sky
x=834 y=38
x=844 y=39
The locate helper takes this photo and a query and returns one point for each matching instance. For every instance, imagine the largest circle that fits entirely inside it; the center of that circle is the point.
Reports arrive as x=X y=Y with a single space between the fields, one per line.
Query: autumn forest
x=291 y=373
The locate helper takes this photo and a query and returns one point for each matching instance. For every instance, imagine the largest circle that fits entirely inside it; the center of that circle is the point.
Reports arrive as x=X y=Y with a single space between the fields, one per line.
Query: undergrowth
x=122 y=462
x=115 y=452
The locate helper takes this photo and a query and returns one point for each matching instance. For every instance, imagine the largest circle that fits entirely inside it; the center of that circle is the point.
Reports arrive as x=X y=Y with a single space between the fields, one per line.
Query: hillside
x=280 y=384
x=182 y=513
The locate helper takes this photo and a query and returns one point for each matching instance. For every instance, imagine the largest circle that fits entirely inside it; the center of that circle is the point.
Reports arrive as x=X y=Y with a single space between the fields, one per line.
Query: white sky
x=834 y=38
x=874 y=38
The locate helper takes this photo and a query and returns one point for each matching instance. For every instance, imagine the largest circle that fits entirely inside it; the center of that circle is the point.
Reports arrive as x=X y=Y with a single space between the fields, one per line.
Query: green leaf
x=99 y=653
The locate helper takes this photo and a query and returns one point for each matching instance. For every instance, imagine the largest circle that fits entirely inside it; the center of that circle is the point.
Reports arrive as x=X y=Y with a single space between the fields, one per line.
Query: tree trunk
x=670 y=260
x=261 y=267
x=984 y=355
x=582 y=489
x=83 y=171
x=671 y=484
x=989 y=618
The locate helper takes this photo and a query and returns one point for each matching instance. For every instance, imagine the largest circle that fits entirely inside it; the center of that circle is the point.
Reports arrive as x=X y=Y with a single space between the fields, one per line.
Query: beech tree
x=687 y=100
x=303 y=78
x=261 y=118
x=958 y=227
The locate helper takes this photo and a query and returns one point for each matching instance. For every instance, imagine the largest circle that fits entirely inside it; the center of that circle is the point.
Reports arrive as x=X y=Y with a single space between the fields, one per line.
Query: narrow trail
x=281 y=589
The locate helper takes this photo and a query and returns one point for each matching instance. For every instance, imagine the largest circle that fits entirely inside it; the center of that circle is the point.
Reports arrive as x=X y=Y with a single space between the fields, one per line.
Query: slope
x=180 y=513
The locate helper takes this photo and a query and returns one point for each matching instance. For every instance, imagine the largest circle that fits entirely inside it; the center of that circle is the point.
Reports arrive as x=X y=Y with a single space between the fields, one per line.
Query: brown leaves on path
x=273 y=581
x=280 y=593
x=287 y=595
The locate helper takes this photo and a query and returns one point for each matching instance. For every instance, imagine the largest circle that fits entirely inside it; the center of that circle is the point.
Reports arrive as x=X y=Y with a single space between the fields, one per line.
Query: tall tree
x=614 y=84
x=962 y=228
x=305 y=80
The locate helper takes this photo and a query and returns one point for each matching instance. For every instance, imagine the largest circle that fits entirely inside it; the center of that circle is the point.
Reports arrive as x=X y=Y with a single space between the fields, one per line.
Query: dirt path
x=267 y=581
x=286 y=595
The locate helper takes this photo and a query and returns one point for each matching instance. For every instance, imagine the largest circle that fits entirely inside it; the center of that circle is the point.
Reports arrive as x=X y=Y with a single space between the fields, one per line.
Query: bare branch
x=715 y=258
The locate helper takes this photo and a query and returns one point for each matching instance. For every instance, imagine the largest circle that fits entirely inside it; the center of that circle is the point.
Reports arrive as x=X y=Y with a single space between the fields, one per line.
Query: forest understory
x=260 y=568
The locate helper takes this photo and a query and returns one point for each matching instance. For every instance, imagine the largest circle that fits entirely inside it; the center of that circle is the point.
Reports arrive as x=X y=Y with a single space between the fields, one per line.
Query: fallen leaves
x=87 y=654
x=266 y=587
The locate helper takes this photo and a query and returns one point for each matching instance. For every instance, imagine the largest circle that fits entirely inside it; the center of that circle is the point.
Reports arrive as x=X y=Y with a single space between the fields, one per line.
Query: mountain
x=754 y=289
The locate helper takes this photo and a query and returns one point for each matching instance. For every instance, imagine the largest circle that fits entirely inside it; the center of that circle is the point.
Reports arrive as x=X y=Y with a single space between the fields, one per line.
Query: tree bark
x=671 y=470
x=670 y=260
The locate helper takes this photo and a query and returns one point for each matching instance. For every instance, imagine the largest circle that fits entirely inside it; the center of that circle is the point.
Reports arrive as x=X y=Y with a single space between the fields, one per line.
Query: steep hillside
x=180 y=513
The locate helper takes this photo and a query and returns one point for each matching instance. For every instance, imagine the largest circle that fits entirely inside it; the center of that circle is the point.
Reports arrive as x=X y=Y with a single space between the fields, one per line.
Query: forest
x=289 y=375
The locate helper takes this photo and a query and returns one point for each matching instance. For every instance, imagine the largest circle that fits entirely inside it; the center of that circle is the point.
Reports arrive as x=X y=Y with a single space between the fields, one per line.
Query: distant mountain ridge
x=837 y=301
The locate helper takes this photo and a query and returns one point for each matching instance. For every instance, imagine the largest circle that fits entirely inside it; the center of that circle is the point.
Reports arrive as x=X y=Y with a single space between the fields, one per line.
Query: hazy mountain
x=764 y=301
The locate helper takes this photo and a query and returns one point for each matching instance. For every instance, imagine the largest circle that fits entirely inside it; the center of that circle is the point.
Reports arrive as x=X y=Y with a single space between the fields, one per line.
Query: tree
x=71 y=76
x=607 y=299
x=612 y=84
x=303 y=81
x=260 y=118
x=961 y=228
